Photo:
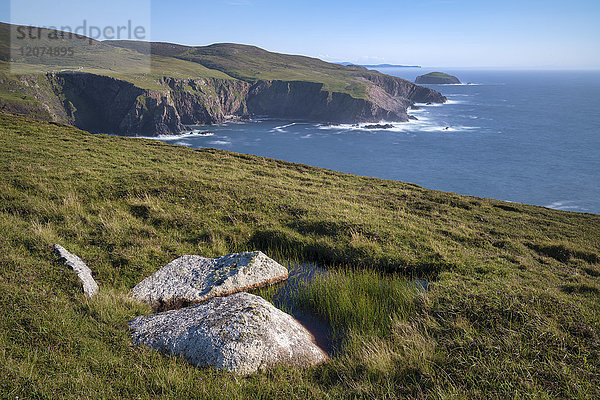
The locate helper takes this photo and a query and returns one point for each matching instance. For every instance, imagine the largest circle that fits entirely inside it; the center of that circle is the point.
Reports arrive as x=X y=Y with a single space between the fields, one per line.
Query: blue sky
x=449 y=33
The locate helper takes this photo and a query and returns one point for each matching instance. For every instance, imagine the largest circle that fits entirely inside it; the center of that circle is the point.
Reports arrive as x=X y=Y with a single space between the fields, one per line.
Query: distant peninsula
x=380 y=65
x=437 y=78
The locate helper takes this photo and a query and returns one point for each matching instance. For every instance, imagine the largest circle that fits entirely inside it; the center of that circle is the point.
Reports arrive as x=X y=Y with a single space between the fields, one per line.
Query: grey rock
x=241 y=333
x=90 y=287
x=196 y=278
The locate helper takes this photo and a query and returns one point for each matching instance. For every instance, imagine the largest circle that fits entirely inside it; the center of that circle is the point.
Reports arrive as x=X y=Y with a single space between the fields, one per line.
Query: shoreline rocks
x=379 y=126
x=242 y=333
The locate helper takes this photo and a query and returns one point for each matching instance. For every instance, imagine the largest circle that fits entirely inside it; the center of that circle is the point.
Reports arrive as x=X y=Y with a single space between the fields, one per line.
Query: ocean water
x=522 y=136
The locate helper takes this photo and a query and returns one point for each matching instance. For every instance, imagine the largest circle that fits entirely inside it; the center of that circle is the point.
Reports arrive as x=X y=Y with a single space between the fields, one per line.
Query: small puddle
x=321 y=331
x=421 y=285
x=284 y=298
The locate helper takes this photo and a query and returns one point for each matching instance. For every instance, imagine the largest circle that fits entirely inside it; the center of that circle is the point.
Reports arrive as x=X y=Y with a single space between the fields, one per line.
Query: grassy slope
x=126 y=59
x=513 y=308
x=99 y=58
x=250 y=63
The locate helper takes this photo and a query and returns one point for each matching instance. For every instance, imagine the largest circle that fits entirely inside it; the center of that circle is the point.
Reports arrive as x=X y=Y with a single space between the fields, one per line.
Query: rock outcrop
x=308 y=101
x=90 y=287
x=194 y=278
x=436 y=78
x=242 y=333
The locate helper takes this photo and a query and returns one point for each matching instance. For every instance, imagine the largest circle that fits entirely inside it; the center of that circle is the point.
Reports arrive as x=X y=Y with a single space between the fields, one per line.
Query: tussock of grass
x=508 y=313
x=363 y=302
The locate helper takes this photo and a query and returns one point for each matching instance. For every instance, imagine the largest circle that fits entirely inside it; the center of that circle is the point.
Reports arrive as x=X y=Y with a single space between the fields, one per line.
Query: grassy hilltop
x=144 y=63
x=513 y=309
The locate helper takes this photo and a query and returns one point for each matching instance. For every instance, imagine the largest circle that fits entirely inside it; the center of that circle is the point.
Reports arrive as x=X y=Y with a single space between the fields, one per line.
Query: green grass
x=132 y=62
x=251 y=64
x=512 y=312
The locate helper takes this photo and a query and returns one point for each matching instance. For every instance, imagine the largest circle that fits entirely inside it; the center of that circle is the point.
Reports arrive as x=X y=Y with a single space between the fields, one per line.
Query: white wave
x=281 y=129
x=183 y=135
x=563 y=205
x=448 y=102
x=306 y=136
x=452 y=102
x=336 y=127
x=429 y=104
x=422 y=125
x=285 y=126
x=412 y=126
x=220 y=142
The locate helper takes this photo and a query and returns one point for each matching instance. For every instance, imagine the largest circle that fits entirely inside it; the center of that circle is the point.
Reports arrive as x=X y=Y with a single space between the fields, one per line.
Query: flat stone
x=242 y=333
x=90 y=287
x=194 y=278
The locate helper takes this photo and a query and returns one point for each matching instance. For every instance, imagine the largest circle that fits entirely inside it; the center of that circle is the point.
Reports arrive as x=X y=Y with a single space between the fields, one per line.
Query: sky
x=525 y=34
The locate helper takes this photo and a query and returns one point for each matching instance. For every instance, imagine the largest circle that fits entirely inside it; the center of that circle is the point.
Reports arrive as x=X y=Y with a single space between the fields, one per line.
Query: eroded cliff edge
x=101 y=104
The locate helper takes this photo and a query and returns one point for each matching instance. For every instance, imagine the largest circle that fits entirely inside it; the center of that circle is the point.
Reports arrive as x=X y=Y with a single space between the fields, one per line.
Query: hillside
x=160 y=88
x=511 y=309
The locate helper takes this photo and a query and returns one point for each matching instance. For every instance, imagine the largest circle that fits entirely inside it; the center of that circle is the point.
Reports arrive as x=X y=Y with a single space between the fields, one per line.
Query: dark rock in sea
x=415 y=107
x=412 y=117
x=380 y=126
x=241 y=333
x=191 y=279
x=437 y=78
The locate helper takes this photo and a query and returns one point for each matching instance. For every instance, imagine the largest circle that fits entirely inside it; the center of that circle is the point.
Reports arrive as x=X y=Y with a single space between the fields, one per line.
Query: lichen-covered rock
x=90 y=287
x=196 y=278
x=241 y=333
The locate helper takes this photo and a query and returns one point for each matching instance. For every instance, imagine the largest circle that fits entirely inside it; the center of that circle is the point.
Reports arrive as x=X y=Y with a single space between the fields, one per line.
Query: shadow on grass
x=324 y=254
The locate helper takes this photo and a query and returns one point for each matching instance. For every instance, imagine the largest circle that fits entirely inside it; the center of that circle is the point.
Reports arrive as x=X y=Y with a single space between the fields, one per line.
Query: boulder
x=191 y=279
x=241 y=333
x=90 y=287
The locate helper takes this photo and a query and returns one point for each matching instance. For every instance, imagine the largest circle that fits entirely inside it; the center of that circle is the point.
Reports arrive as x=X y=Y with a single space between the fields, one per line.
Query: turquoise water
x=528 y=136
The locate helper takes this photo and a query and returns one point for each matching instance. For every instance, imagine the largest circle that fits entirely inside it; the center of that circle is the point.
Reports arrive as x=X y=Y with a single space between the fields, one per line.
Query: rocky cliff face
x=401 y=88
x=307 y=101
x=101 y=104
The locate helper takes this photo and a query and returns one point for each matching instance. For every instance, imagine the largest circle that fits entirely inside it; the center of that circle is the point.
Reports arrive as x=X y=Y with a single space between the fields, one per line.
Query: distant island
x=438 y=78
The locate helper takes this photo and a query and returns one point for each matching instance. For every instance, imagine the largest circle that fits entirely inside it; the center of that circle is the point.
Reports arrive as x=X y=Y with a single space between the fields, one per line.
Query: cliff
x=101 y=104
x=139 y=88
x=107 y=87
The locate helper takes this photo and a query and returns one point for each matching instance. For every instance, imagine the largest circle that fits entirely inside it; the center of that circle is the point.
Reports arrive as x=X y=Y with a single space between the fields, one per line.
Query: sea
x=522 y=136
